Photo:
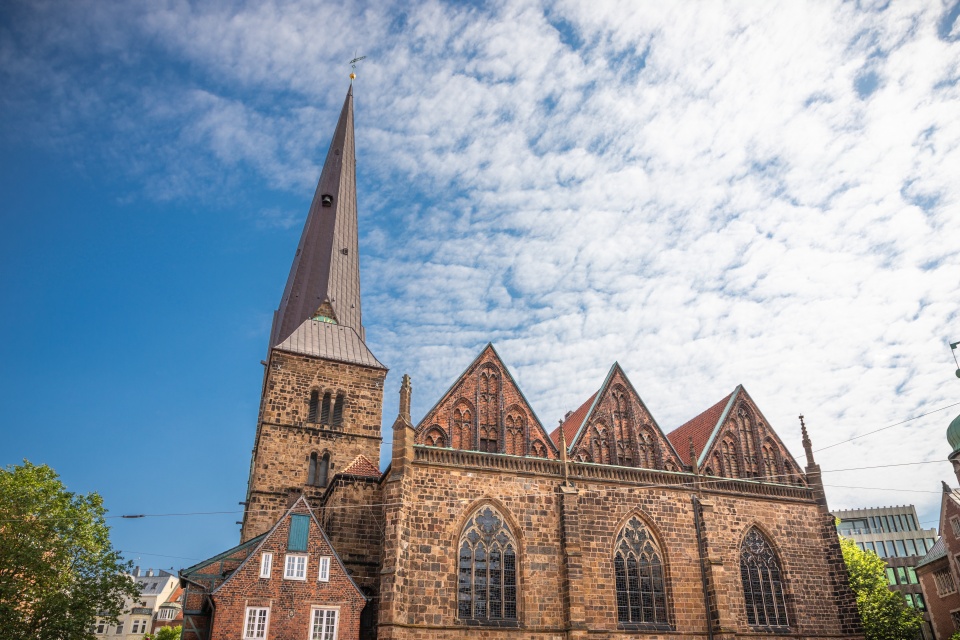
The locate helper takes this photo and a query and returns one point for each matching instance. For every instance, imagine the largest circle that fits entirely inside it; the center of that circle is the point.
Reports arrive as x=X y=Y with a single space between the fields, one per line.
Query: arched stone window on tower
x=319 y=468
x=487 y=570
x=640 y=581
x=338 y=408
x=762 y=580
x=313 y=406
x=325 y=409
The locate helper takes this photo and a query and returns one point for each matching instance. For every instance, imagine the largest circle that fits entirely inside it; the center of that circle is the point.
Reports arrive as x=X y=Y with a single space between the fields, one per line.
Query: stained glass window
x=487 y=583
x=762 y=583
x=638 y=569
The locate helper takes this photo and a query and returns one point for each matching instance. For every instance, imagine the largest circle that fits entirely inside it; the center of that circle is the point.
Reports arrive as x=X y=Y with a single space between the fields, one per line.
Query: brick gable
x=615 y=427
x=484 y=410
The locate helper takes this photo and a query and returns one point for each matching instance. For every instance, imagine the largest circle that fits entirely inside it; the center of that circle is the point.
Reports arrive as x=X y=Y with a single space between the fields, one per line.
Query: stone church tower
x=322 y=397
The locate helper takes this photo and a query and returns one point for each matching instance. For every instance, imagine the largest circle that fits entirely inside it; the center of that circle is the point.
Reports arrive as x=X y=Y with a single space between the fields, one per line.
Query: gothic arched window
x=513 y=434
x=462 y=427
x=537 y=449
x=638 y=565
x=770 y=467
x=730 y=462
x=325 y=409
x=338 y=408
x=489 y=411
x=319 y=468
x=487 y=569
x=646 y=451
x=312 y=408
x=435 y=438
x=762 y=582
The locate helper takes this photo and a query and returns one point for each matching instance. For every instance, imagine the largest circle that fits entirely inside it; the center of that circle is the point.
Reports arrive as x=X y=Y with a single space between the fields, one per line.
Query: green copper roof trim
x=953 y=434
x=323 y=318
x=716 y=428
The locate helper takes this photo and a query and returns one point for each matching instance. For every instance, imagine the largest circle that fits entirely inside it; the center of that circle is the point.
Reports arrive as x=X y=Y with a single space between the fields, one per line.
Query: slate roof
x=572 y=423
x=361 y=466
x=326 y=266
x=936 y=552
x=330 y=341
x=700 y=428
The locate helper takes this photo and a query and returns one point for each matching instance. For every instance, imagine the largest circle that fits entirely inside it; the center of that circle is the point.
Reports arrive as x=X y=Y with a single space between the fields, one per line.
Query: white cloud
x=733 y=212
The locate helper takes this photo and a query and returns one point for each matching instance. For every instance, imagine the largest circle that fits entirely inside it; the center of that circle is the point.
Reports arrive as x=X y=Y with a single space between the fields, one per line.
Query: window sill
x=777 y=630
x=644 y=626
x=507 y=624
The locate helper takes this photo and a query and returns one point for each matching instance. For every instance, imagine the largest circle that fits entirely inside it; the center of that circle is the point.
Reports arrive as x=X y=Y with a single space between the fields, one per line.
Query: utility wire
x=890 y=426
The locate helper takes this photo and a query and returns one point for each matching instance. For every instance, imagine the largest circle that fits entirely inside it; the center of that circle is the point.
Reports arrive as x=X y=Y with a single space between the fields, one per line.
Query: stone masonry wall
x=285 y=440
x=444 y=497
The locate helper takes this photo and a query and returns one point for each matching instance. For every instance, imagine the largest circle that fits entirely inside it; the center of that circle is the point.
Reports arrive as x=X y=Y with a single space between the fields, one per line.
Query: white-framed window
x=266 y=564
x=166 y=613
x=101 y=626
x=323 y=624
x=119 y=631
x=323 y=574
x=135 y=628
x=295 y=567
x=255 y=623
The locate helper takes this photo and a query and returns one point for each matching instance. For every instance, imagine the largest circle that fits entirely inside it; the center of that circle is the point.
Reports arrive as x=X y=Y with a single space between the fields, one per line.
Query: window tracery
x=487 y=569
x=762 y=582
x=640 y=583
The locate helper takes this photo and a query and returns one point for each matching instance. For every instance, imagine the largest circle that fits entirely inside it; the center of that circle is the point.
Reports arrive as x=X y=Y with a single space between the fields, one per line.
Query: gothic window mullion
x=763 y=588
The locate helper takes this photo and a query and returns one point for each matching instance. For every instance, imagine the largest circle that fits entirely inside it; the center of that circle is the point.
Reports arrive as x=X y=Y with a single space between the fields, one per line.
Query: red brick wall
x=290 y=601
x=519 y=432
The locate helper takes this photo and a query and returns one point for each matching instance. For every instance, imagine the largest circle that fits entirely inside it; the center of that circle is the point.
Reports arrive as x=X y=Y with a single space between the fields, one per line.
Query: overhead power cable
x=889 y=426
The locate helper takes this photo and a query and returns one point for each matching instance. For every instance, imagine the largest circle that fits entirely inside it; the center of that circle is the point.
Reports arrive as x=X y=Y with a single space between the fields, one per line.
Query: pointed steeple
x=324 y=280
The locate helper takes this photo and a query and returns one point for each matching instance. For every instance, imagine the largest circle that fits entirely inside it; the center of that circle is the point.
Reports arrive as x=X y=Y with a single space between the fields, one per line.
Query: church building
x=486 y=523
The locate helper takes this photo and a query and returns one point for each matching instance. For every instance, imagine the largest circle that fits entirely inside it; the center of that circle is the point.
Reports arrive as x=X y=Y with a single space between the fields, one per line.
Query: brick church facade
x=487 y=524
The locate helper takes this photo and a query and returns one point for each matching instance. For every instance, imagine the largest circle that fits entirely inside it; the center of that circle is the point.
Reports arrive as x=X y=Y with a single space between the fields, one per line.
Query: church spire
x=324 y=280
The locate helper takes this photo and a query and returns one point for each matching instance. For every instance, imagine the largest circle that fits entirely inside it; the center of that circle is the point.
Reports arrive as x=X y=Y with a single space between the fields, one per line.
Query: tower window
x=312 y=411
x=326 y=200
x=319 y=469
x=338 y=409
x=325 y=409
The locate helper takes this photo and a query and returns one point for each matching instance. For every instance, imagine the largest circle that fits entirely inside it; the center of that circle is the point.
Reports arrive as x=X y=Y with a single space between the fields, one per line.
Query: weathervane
x=353 y=65
x=953 y=350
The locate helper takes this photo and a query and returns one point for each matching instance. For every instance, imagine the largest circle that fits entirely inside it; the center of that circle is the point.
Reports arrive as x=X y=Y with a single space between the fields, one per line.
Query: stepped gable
x=484 y=410
x=362 y=467
x=741 y=443
x=616 y=427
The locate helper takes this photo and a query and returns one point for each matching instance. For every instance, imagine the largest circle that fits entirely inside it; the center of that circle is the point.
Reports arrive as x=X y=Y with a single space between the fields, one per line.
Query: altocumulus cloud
x=710 y=194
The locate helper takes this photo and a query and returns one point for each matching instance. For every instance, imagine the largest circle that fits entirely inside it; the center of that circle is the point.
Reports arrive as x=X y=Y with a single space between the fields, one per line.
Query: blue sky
x=709 y=193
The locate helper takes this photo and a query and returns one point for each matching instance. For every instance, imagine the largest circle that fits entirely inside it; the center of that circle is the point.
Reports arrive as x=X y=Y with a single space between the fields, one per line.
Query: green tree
x=58 y=571
x=885 y=614
x=165 y=633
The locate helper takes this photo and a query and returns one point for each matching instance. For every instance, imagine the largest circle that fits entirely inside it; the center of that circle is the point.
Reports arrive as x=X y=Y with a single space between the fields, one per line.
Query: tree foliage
x=884 y=613
x=58 y=570
x=165 y=633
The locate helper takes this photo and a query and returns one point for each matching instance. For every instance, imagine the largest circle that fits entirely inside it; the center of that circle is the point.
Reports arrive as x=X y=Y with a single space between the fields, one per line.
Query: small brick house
x=286 y=583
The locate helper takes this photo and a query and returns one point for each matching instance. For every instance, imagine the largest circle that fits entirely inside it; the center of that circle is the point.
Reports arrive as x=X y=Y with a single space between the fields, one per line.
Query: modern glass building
x=894 y=534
